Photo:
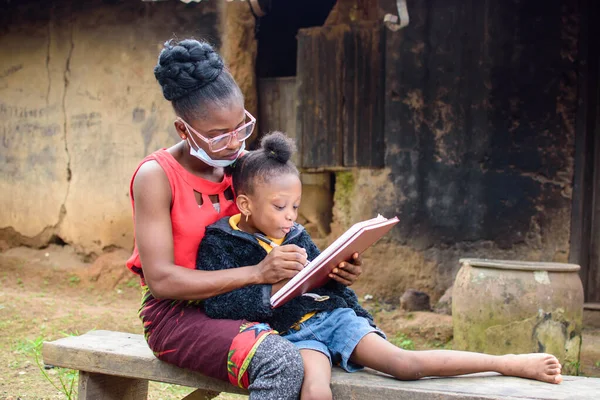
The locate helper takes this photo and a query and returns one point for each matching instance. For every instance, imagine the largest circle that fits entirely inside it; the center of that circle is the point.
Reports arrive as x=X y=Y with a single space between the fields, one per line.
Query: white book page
x=332 y=249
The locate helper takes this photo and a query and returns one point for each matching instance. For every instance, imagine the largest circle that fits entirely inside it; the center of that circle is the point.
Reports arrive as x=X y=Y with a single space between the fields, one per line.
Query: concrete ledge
x=127 y=355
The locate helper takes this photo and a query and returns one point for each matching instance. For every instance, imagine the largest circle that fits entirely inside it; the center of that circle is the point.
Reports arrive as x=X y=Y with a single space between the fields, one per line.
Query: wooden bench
x=116 y=365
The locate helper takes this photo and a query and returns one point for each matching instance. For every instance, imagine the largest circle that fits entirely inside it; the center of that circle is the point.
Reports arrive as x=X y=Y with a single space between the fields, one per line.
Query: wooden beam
x=106 y=387
x=349 y=11
x=201 y=394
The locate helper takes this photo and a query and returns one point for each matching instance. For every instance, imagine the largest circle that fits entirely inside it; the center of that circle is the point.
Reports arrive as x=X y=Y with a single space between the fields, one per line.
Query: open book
x=315 y=274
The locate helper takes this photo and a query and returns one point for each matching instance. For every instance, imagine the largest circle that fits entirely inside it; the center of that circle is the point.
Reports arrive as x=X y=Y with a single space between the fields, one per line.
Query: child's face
x=274 y=205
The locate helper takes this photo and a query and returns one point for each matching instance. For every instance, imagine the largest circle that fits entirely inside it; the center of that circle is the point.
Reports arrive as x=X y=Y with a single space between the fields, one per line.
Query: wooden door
x=340 y=96
x=585 y=222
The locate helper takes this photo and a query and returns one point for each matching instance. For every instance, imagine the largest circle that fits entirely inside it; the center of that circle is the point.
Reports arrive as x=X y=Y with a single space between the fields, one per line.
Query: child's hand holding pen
x=271 y=243
x=283 y=262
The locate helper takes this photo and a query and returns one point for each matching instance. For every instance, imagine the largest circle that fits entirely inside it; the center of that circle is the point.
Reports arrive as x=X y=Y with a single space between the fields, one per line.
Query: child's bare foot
x=538 y=366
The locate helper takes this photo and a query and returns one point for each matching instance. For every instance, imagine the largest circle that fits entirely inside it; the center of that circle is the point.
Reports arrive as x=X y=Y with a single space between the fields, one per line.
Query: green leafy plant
x=66 y=377
x=28 y=347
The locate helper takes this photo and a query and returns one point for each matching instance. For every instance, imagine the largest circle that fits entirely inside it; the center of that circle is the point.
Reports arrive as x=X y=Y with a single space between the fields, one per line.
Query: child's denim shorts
x=333 y=333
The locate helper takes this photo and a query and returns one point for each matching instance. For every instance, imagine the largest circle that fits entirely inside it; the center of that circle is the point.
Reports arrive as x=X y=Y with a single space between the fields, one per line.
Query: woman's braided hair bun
x=278 y=146
x=185 y=67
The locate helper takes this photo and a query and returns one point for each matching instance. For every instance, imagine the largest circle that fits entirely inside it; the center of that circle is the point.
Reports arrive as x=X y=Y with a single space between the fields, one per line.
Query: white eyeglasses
x=221 y=142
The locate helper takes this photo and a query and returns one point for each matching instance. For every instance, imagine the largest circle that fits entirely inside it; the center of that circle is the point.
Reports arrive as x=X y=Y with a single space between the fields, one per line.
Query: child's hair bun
x=186 y=66
x=278 y=146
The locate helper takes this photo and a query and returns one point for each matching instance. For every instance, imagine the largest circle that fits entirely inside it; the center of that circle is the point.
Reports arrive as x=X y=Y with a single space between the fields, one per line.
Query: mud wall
x=479 y=124
x=239 y=48
x=79 y=108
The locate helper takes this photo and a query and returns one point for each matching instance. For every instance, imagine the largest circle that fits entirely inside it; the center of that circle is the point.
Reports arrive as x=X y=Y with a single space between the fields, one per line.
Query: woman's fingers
x=356 y=259
x=342 y=273
x=341 y=279
x=353 y=270
x=348 y=272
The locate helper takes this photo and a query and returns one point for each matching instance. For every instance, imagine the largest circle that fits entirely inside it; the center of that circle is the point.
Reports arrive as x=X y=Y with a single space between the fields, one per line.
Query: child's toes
x=551 y=359
x=552 y=363
x=552 y=378
x=554 y=371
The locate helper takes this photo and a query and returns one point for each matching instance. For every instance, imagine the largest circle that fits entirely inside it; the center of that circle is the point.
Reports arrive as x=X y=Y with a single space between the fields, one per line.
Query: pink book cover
x=315 y=274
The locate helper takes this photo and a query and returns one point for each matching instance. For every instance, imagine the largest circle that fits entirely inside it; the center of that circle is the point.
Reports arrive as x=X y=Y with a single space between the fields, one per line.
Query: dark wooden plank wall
x=319 y=115
x=340 y=88
x=585 y=215
x=277 y=108
x=592 y=279
x=363 y=97
x=583 y=191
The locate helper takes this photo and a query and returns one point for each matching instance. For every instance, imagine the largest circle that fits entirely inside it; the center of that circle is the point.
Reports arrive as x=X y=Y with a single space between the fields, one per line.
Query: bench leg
x=201 y=394
x=106 y=387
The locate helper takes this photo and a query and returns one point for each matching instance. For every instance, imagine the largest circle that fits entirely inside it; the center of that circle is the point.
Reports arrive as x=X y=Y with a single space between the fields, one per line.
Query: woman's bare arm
x=152 y=194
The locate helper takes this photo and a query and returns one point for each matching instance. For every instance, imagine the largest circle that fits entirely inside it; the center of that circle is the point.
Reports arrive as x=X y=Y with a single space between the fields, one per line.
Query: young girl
x=328 y=326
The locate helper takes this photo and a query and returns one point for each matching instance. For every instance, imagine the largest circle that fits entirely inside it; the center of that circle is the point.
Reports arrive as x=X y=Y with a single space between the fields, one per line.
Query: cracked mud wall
x=479 y=123
x=79 y=108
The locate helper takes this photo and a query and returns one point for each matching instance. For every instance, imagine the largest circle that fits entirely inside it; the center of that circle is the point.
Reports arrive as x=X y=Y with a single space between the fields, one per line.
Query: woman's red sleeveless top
x=189 y=220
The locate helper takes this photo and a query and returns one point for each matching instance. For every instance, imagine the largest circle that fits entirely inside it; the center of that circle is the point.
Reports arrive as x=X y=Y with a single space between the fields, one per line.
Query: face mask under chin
x=200 y=154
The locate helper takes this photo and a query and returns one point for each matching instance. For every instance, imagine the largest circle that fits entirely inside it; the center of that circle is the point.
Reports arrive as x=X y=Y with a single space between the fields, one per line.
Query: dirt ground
x=47 y=294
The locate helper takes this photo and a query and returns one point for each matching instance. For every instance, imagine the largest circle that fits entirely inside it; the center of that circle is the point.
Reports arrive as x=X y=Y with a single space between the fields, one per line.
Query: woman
x=176 y=193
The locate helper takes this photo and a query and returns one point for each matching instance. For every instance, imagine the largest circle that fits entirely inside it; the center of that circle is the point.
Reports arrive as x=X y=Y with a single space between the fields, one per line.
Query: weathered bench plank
x=127 y=355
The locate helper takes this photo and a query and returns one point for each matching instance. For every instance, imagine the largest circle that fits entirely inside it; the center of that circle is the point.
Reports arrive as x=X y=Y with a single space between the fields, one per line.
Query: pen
x=265 y=239
x=271 y=243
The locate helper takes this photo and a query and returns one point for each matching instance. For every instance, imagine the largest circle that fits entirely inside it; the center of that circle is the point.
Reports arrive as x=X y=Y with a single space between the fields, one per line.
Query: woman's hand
x=348 y=271
x=283 y=262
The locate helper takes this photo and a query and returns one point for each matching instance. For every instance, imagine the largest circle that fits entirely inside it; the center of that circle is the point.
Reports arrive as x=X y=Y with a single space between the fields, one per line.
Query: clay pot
x=502 y=307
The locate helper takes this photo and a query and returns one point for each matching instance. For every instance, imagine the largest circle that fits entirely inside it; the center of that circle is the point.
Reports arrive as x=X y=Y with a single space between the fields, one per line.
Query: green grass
x=74 y=280
x=438 y=344
x=133 y=283
x=403 y=341
x=575 y=367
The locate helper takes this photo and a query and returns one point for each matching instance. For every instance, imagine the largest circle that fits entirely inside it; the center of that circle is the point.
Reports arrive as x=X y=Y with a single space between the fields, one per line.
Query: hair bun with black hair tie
x=185 y=67
x=278 y=146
